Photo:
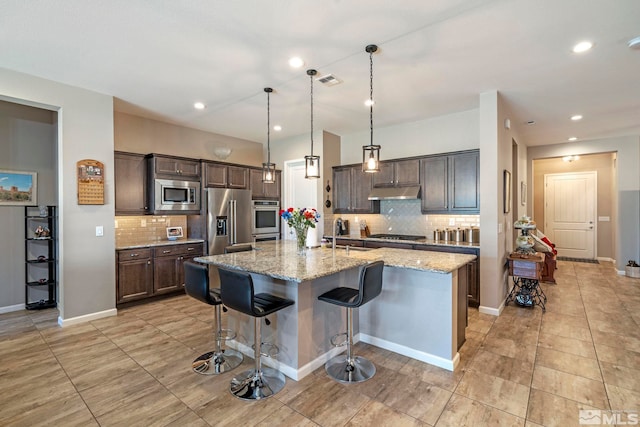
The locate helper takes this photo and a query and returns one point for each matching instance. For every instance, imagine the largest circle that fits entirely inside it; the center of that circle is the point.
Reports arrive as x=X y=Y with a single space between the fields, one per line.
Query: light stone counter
x=419 y=288
x=158 y=243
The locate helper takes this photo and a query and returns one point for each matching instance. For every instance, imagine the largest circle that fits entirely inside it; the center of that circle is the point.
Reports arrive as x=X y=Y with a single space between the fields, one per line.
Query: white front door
x=570 y=213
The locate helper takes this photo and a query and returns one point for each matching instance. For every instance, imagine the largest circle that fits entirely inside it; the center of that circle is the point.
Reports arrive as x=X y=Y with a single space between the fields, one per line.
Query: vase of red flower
x=300 y=220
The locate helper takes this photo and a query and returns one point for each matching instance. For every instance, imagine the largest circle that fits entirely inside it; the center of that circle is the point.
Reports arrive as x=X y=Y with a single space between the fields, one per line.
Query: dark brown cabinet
x=218 y=175
x=261 y=190
x=450 y=183
x=135 y=274
x=398 y=173
x=146 y=272
x=130 y=184
x=176 y=167
x=351 y=189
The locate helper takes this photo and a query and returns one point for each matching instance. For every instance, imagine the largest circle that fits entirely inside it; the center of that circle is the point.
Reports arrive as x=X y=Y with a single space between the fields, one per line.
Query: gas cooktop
x=396 y=237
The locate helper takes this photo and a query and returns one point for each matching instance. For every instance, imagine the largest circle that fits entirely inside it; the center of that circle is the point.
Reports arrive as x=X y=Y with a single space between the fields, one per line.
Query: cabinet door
x=135 y=279
x=407 y=172
x=361 y=185
x=238 y=177
x=166 y=273
x=215 y=175
x=463 y=182
x=189 y=168
x=272 y=191
x=386 y=176
x=257 y=186
x=473 y=277
x=341 y=190
x=130 y=184
x=434 y=184
x=166 y=165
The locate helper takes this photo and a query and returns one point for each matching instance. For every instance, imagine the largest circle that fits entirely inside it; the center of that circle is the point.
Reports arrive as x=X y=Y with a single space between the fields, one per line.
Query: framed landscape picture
x=18 y=188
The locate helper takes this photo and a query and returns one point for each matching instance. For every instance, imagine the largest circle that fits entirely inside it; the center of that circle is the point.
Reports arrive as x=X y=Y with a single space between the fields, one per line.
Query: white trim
x=429 y=358
x=18 y=307
x=490 y=310
x=606 y=259
x=291 y=372
x=87 y=317
x=621 y=272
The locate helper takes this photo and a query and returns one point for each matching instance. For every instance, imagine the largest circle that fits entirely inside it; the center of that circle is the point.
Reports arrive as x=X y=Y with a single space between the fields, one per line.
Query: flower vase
x=301 y=239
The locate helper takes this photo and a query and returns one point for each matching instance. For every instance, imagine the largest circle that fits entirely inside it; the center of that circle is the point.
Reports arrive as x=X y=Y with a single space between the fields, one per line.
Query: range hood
x=395 y=193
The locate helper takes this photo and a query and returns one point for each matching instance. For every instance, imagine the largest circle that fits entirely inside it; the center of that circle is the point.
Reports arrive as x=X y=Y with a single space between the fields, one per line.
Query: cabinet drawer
x=133 y=254
x=172 y=250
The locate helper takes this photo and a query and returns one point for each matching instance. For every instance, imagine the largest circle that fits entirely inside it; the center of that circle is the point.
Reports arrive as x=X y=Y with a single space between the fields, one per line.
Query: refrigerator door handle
x=232 y=222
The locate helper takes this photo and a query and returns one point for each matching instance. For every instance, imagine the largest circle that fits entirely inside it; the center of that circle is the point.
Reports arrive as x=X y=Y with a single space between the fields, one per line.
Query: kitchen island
x=417 y=314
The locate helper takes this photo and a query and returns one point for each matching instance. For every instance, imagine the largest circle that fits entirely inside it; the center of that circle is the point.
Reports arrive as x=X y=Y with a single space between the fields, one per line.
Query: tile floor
x=521 y=368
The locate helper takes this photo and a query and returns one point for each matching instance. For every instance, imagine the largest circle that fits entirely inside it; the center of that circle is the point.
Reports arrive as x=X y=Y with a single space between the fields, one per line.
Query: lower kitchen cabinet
x=135 y=274
x=143 y=273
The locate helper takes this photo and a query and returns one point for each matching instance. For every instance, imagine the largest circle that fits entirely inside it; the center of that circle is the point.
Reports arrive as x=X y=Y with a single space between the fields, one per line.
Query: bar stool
x=237 y=292
x=350 y=368
x=196 y=284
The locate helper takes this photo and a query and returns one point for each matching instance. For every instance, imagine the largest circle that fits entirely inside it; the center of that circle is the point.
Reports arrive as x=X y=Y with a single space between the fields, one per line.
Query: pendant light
x=268 y=169
x=371 y=153
x=311 y=162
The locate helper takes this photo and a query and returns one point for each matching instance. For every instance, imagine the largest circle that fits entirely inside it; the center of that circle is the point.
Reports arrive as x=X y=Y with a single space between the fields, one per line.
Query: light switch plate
x=99 y=231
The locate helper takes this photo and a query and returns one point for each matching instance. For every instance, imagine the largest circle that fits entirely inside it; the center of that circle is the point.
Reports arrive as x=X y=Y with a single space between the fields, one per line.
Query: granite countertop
x=424 y=242
x=278 y=259
x=158 y=243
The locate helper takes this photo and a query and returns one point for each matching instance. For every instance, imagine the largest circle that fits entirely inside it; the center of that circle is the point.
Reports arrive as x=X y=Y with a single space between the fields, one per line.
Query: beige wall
x=141 y=135
x=602 y=164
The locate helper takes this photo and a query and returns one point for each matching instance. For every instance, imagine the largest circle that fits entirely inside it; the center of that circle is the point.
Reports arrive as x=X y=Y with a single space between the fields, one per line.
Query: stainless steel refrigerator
x=228 y=218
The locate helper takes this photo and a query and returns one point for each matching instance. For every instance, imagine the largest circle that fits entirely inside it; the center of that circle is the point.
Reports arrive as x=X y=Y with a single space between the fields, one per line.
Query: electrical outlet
x=452 y=221
x=99 y=231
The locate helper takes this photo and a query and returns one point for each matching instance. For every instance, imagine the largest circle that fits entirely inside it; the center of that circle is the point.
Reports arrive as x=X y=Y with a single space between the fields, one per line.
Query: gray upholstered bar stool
x=237 y=292
x=349 y=368
x=196 y=284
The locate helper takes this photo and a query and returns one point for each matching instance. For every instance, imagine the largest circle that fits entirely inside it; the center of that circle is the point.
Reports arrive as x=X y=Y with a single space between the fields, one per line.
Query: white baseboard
x=606 y=259
x=87 y=317
x=289 y=371
x=18 y=307
x=429 y=358
x=490 y=310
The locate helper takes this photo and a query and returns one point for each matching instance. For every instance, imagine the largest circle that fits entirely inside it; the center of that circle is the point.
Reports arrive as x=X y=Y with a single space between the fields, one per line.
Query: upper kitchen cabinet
x=261 y=190
x=398 y=173
x=219 y=175
x=351 y=190
x=175 y=167
x=450 y=183
x=130 y=184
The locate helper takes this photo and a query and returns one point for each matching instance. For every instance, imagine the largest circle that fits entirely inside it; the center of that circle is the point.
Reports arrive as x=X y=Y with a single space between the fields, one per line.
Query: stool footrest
x=268 y=349
x=334 y=339
x=226 y=335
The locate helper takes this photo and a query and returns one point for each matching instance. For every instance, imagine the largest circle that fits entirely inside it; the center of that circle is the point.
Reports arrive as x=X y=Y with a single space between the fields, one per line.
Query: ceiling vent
x=329 y=80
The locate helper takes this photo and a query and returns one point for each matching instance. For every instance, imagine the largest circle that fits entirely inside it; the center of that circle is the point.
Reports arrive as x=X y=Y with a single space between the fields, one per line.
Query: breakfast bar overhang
x=416 y=315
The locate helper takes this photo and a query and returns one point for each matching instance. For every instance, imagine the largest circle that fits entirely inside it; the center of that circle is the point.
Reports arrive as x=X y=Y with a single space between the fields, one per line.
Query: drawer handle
x=191 y=249
x=166 y=252
x=134 y=255
x=149 y=262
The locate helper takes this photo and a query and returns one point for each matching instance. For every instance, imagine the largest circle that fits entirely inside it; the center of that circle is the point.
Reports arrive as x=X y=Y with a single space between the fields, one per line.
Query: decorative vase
x=301 y=238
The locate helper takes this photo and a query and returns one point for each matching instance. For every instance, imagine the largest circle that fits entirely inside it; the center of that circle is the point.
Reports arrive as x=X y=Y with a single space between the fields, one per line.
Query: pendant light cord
x=311 y=78
x=268 y=129
x=371 y=95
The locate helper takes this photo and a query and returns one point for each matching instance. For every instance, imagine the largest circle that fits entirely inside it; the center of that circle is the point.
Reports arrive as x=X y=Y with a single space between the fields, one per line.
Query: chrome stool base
x=213 y=363
x=253 y=385
x=359 y=370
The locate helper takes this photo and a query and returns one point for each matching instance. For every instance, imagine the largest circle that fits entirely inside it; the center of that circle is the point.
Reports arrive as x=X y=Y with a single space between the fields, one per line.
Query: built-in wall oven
x=265 y=217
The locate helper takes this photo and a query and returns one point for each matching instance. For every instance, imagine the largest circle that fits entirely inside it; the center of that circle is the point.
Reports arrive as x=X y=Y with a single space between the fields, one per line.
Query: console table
x=526 y=271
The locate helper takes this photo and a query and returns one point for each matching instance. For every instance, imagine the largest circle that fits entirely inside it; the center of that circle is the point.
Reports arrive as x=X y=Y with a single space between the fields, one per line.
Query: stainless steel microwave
x=175 y=195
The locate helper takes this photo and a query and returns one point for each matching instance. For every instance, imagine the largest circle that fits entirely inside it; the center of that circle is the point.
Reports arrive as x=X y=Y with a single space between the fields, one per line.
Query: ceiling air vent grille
x=329 y=80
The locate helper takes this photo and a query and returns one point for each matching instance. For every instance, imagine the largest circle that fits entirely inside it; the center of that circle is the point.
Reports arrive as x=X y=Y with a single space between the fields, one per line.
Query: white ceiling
x=435 y=57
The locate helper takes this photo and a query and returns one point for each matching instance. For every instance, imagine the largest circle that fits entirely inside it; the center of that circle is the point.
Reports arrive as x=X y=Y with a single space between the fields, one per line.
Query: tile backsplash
x=402 y=217
x=132 y=230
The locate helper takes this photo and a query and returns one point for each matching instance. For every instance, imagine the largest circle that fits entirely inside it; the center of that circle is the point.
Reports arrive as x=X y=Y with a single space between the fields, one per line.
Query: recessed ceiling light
x=277 y=128
x=296 y=62
x=576 y=117
x=573 y=138
x=582 y=47
x=199 y=106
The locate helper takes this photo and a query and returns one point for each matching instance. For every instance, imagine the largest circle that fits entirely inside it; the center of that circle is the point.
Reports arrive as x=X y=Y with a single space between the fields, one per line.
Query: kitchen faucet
x=333 y=242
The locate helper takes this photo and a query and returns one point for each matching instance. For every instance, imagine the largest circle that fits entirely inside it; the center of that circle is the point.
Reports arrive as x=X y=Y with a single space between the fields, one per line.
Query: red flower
x=281 y=212
x=290 y=209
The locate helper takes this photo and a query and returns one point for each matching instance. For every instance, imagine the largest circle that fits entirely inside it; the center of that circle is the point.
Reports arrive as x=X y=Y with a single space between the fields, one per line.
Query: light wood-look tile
x=502 y=394
x=567 y=345
x=378 y=414
x=574 y=387
x=463 y=412
x=507 y=368
x=570 y=363
x=552 y=410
